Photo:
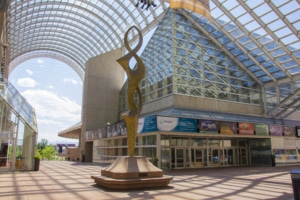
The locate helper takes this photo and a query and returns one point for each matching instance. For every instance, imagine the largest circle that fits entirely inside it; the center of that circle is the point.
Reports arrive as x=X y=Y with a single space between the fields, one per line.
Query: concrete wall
x=217 y=105
x=103 y=80
x=197 y=103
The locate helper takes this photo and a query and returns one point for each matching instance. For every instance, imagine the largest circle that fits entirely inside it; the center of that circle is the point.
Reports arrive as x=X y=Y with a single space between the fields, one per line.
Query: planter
x=19 y=164
x=36 y=164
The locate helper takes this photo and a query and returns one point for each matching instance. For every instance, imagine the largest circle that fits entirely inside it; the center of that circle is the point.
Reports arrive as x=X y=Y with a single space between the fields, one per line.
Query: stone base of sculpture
x=134 y=172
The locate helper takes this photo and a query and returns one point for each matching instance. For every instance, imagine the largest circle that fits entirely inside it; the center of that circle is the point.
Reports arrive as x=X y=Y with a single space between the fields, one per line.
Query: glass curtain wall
x=187 y=62
x=17 y=137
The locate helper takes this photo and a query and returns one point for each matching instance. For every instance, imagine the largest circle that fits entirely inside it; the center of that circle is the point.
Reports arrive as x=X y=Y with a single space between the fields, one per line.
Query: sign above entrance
x=208 y=126
x=275 y=130
x=246 y=128
x=176 y=124
x=228 y=128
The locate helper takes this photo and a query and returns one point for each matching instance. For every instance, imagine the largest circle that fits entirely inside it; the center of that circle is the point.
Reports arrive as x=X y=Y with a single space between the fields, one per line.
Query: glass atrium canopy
x=262 y=36
x=73 y=30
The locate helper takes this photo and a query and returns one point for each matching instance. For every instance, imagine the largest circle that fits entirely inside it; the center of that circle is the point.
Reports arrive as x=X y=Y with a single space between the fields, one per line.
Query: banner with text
x=289 y=131
x=228 y=128
x=246 y=128
x=147 y=124
x=208 y=126
x=176 y=124
x=261 y=129
x=275 y=130
x=198 y=6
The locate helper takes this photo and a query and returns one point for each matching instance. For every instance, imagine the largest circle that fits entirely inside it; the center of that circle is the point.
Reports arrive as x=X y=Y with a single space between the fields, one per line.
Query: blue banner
x=147 y=124
x=176 y=124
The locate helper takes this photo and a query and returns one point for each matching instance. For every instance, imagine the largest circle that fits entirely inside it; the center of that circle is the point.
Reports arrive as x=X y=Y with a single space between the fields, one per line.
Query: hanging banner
x=208 y=126
x=261 y=129
x=275 y=130
x=198 y=6
x=246 y=128
x=289 y=131
x=147 y=124
x=176 y=124
x=228 y=128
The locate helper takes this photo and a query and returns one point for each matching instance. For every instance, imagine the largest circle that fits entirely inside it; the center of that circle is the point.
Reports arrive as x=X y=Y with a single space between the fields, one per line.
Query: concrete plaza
x=64 y=180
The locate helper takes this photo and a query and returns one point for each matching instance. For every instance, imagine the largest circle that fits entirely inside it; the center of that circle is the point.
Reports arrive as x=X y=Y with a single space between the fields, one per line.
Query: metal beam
x=283 y=18
x=291 y=112
x=237 y=43
x=239 y=25
x=219 y=45
x=271 y=33
x=284 y=101
x=288 y=107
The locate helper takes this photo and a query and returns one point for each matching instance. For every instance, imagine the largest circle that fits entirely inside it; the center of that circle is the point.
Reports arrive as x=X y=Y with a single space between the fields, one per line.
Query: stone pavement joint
x=59 y=180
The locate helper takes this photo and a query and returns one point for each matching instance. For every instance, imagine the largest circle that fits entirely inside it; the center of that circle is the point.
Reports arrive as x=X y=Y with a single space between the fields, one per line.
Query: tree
x=49 y=152
x=42 y=144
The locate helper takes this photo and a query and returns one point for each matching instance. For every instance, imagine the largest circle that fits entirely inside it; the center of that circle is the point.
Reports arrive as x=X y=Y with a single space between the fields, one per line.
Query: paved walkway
x=63 y=180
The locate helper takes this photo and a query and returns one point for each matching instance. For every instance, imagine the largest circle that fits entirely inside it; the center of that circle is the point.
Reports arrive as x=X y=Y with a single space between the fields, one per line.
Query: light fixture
x=146 y=3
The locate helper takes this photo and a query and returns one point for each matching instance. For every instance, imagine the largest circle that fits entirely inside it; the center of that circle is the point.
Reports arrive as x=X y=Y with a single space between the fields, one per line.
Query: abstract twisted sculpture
x=134 y=78
x=130 y=172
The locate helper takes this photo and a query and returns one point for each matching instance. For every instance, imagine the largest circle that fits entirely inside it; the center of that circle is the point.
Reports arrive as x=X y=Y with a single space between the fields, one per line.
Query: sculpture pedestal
x=132 y=172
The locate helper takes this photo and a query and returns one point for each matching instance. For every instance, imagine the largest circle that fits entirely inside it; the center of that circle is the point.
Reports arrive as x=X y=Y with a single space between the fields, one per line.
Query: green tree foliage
x=42 y=144
x=49 y=152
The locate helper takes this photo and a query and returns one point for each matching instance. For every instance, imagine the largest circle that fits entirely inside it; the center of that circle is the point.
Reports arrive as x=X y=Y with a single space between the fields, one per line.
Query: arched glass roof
x=262 y=36
x=73 y=30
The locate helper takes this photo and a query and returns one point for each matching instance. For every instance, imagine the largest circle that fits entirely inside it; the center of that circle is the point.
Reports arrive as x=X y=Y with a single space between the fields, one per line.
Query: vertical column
x=103 y=80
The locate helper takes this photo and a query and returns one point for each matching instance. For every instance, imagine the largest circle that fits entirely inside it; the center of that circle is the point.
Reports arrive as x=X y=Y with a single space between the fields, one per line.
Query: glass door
x=215 y=157
x=178 y=157
x=197 y=157
x=227 y=157
x=243 y=156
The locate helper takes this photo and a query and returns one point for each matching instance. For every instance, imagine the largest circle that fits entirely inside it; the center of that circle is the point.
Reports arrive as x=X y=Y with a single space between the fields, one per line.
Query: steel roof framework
x=263 y=36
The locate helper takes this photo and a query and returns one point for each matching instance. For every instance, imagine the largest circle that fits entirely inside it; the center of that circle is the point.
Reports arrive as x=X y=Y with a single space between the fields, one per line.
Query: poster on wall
x=289 y=131
x=279 y=154
x=147 y=124
x=275 y=130
x=228 y=128
x=246 y=128
x=176 y=124
x=261 y=129
x=208 y=126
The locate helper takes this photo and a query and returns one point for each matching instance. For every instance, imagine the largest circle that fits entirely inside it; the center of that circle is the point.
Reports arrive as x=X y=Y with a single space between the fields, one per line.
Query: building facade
x=202 y=107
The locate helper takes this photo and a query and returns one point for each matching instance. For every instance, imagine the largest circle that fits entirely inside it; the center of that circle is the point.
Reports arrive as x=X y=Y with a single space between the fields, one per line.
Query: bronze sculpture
x=134 y=77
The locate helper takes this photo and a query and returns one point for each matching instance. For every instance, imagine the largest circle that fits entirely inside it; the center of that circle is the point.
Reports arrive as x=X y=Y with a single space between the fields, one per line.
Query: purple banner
x=208 y=126
x=275 y=130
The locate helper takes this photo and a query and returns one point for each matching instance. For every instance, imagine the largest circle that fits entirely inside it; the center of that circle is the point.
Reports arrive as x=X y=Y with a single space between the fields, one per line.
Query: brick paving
x=64 y=180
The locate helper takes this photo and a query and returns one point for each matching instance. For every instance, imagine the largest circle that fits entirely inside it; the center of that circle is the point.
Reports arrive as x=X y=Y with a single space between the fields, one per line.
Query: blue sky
x=55 y=91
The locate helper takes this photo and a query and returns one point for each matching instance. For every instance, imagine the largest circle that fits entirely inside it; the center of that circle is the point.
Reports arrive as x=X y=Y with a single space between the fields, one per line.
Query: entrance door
x=197 y=157
x=215 y=156
x=178 y=157
x=243 y=156
x=227 y=157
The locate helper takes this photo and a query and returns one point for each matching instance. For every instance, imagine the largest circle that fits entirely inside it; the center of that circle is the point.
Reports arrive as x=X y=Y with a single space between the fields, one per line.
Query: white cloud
x=29 y=71
x=27 y=82
x=70 y=80
x=51 y=122
x=49 y=105
x=50 y=87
